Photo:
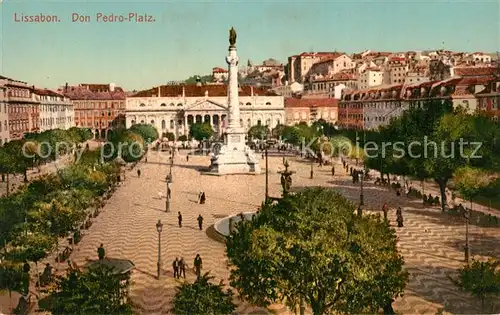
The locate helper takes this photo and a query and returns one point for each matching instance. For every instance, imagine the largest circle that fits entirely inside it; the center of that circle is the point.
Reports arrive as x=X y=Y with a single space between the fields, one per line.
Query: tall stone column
x=232 y=89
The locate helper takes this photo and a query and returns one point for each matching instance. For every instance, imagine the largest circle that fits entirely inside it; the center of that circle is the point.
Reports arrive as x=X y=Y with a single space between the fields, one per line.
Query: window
x=142 y=105
x=171 y=124
x=163 y=104
x=152 y=122
x=171 y=104
x=249 y=104
x=163 y=125
x=180 y=104
x=268 y=103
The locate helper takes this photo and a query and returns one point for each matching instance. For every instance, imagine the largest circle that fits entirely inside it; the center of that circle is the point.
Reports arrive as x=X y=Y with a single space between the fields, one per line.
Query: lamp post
x=267 y=177
x=467 y=245
x=159 y=228
x=312 y=171
x=167 y=202
x=361 y=196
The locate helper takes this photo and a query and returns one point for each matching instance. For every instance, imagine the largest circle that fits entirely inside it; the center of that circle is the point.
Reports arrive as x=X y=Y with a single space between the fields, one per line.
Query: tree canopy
x=201 y=131
x=146 y=131
x=95 y=291
x=203 y=297
x=310 y=246
x=260 y=132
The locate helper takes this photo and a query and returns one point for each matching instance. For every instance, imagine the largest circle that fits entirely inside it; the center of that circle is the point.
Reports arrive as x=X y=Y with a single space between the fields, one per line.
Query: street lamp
x=467 y=245
x=267 y=177
x=312 y=165
x=361 y=196
x=167 y=202
x=159 y=228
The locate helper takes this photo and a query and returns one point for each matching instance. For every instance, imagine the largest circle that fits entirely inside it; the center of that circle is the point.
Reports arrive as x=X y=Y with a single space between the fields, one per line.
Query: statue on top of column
x=232 y=36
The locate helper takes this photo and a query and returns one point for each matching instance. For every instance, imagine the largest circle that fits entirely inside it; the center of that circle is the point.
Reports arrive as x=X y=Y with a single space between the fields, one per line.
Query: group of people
x=399 y=214
x=199 y=219
x=179 y=267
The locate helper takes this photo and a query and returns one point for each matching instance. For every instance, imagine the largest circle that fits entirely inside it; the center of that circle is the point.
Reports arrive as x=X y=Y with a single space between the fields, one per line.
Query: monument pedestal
x=235 y=157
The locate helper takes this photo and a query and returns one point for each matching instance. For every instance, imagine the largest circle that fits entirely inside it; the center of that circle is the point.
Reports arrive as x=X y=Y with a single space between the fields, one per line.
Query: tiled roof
x=397 y=59
x=316 y=54
x=310 y=102
x=193 y=90
x=219 y=70
x=47 y=92
x=474 y=71
x=82 y=93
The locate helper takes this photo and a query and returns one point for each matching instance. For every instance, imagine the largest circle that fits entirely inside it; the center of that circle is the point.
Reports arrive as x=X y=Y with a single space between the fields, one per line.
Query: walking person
x=179 y=218
x=101 y=253
x=182 y=268
x=139 y=173
x=385 y=209
x=202 y=198
x=187 y=157
x=175 y=266
x=399 y=217
x=198 y=265
x=200 y=222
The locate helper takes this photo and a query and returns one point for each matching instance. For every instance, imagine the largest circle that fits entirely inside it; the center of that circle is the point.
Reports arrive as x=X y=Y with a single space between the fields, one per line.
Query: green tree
x=481 y=279
x=260 y=132
x=11 y=277
x=31 y=247
x=203 y=297
x=203 y=79
x=146 y=131
x=470 y=182
x=183 y=138
x=310 y=246
x=96 y=291
x=201 y=131
x=169 y=135
x=278 y=131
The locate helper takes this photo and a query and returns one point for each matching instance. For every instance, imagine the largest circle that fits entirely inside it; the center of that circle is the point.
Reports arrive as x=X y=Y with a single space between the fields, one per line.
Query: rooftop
x=193 y=90
x=310 y=102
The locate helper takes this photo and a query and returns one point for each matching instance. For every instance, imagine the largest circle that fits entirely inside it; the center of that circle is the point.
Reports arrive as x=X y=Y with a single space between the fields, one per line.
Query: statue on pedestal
x=232 y=37
x=286 y=178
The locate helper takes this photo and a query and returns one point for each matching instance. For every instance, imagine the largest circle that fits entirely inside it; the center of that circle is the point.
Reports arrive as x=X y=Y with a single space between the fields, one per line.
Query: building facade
x=173 y=109
x=309 y=110
x=23 y=109
x=299 y=65
x=370 y=77
x=56 y=110
x=4 y=114
x=371 y=108
x=331 y=85
x=488 y=100
x=100 y=107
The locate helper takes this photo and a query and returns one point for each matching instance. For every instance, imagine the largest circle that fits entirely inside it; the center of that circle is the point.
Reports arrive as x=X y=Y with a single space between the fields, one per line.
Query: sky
x=191 y=37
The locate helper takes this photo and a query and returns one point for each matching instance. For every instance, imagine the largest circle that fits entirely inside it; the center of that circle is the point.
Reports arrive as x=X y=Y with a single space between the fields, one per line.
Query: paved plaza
x=430 y=241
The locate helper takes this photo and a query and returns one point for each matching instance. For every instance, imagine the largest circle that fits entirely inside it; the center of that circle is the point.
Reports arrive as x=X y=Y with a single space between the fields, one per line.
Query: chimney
x=111 y=87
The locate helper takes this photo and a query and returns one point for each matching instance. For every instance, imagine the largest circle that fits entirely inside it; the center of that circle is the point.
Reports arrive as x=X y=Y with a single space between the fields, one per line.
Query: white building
x=56 y=110
x=370 y=77
x=415 y=77
x=4 y=115
x=219 y=74
x=289 y=90
x=174 y=108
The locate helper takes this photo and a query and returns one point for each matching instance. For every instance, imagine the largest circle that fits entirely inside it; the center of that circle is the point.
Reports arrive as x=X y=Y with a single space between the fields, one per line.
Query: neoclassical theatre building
x=173 y=108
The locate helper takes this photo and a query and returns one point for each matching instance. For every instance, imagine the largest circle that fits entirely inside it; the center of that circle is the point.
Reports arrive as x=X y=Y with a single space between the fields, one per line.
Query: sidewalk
x=433 y=189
